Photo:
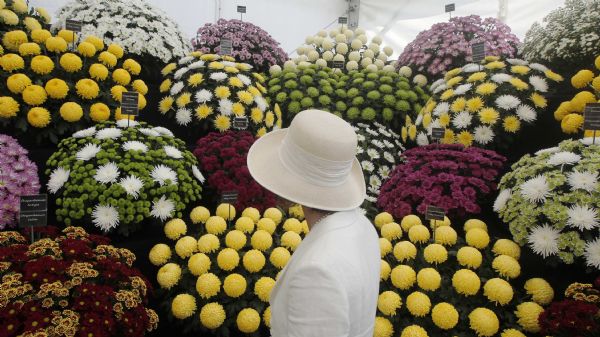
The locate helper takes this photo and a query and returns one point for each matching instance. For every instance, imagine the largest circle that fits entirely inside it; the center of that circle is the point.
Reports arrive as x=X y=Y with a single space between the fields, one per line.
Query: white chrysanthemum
x=132 y=185
x=507 y=102
x=125 y=123
x=483 y=134
x=261 y=103
x=359 y=137
x=219 y=77
x=183 y=116
x=564 y=158
x=441 y=108
x=440 y=88
x=367 y=166
x=535 y=189
x=162 y=208
x=544 y=240
x=471 y=67
x=359 y=150
x=377 y=143
x=109 y=133
x=245 y=79
x=518 y=62
x=105 y=217
x=526 y=113
x=582 y=217
x=225 y=106
x=229 y=64
x=176 y=88
x=149 y=132
x=389 y=157
x=134 y=145
x=172 y=152
x=419 y=119
x=162 y=173
x=163 y=131
x=501 y=78
x=107 y=173
x=373 y=154
x=388 y=144
x=89 y=132
x=538 y=67
x=434 y=84
x=196 y=65
x=88 y=152
x=548 y=150
x=539 y=83
x=592 y=253
x=180 y=72
x=375 y=182
x=586 y=180
x=463 y=88
x=422 y=139
x=203 y=96
x=462 y=120
x=58 y=178
x=186 y=60
x=589 y=140
x=502 y=199
x=196 y=172
x=372 y=132
x=384 y=172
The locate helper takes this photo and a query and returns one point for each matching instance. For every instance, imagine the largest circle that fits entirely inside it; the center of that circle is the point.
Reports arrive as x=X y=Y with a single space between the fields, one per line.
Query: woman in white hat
x=330 y=285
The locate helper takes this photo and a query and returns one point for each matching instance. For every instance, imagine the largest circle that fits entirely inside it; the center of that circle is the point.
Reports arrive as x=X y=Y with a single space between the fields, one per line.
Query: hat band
x=316 y=170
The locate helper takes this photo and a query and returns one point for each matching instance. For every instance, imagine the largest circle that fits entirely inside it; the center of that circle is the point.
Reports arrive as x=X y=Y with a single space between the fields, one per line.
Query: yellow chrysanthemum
x=429 y=279
x=511 y=124
x=203 y=111
x=465 y=138
x=454 y=81
x=267 y=317
x=261 y=132
x=208 y=243
x=553 y=76
x=121 y=76
x=540 y=290
x=474 y=104
x=71 y=112
x=244 y=224
x=175 y=228
x=279 y=257
x=8 y=107
x=409 y=221
x=67 y=35
x=159 y=254
x=273 y=214
x=212 y=315
x=404 y=251
x=222 y=123
x=596 y=83
x=168 y=275
x=418 y=304
x=538 y=100
x=519 y=84
x=383 y=327
x=140 y=86
x=444 y=316
x=13 y=39
x=40 y=35
x=56 y=44
x=168 y=69
x=86 y=49
x=183 y=306
x=507 y=266
x=186 y=246
x=418 y=234
x=435 y=253
x=96 y=41
x=581 y=99
x=527 y=316
x=70 y=62
x=444 y=119
x=165 y=85
x=458 y=105
x=216 y=65
x=195 y=80
x=235 y=239
x=520 y=69
x=448 y=137
x=498 y=291
x=292 y=225
x=234 y=285
x=414 y=331
x=199 y=214
x=256 y=115
x=208 y=285
x=12 y=62
x=34 y=95
x=484 y=322
x=563 y=110
x=385 y=246
x=199 y=264
x=445 y=235
x=597 y=62
x=29 y=49
x=132 y=66
x=291 y=240
x=99 y=112
x=412 y=132
x=269 y=119
x=245 y=97
x=228 y=259
x=389 y=302
x=108 y=59
x=582 y=78
x=165 y=104
x=57 y=88
x=403 y=277
x=184 y=99
x=383 y=218
x=87 y=88
x=9 y=17
x=452 y=72
x=474 y=223
x=117 y=92
x=254 y=260
x=440 y=223
x=488 y=116
x=38 y=117
x=261 y=240
x=266 y=224
x=495 y=65
x=469 y=257
x=263 y=287
x=486 y=88
x=231 y=70
x=478 y=238
x=447 y=94
x=98 y=71
x=42 y=65
x=116 y=50
x=512 y=333
x=477 y=76
x=507 y=247
x=466 y=282
x=248 y=320
x=391 y=231
x=216 y=225
x=385 y=270
x=427 y=120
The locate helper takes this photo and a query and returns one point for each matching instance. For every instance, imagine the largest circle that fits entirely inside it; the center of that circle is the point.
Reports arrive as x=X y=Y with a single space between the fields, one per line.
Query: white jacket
x=330 y=286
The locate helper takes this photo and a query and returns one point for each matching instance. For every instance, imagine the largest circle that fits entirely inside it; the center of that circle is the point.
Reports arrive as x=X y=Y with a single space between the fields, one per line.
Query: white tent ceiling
x=290 y=21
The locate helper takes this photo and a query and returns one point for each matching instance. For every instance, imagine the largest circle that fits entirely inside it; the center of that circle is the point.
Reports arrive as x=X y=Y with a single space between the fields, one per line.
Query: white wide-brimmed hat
x=312 y=163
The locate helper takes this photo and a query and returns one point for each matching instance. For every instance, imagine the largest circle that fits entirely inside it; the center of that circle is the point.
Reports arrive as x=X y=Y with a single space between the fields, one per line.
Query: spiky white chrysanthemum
x=526 y=113
x=419 y=119
x=89 y=132
x=196 y=172
x=58 y=178
x=543 y=240
x=539 y=83
x=502 y=199
x=518 y=62
x=162 y=208
x=389 y=157
x=127 y=123
x=462 y=120
x=109 y=133
x=538 y=67
x=105 y=217
x=88 y=152
x=163 y=131
x=589 y=141
x=592 y=253
x=548 y=150
x=203 y=96
x=261 y=103
x=372 y=132
x=384 y=172
x=564 y=158
x=172 y=152
x=422 y=139
x=483 y=134
x=180 y=72
x=186 y=60
x=176 y=88
x=149 y=132
x=582 y=217
x=471 y=67
x=436 y=83
x=183 y=116
x=377 y=143
x=388 y=144
x=463 y=88
x=245 y=79
x=440 y=88
x=134 y=145
x=107 y=173
x=375 y=182
x=162 y=173
x=535 y=189
x=585 y=180
x=225 y=106
x=220 y=76
x=507 y=102
x=132 y=185
x=229 y=64
x=373 y=154
x=196 y=65
x=501 y=78
x=441 y=108
x=367 y=166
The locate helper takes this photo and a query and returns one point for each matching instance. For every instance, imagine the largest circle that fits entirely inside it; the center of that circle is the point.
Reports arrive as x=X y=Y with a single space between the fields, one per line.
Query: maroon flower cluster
x=251 y=44
x=222 y=158
x=71 y=284
x=452 y=177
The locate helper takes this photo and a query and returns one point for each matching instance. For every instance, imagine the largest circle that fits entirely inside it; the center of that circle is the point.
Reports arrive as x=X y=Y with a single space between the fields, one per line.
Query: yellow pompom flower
x=165 y=85
x=168 y=275
x=469 y=257
x=597 y=62
x=429 y=279
x=168 y=69
x=488 y=116
x=383 y=327
x=409 y=221
x=98 y=71
x=267 y=317
x=261 y=240
x=385 y=270
x=9 y=17
x=484 y=322
x=519 y=84
x=20 y=6
x=266 y=224
x=444 y=316
x=183 y=306
x=87 y=88
x=391 y=231
x=234 y=285
x=208 y=285
x=263 y=288
x=159 y=254
x=414 y=331
x=254 y=260
x=235 y=239
x=474 y=104
x=273 y=214
x=199 y=264
x=40 y=35
x=418 y=234
x=12 y=62
x=445 y=235
x=199 y=214
x=216 y=225
x=70 y=62
x=478 y=238
x=208 y=243
x=596 y=83
x=116 y=50
x=248 y=320
x=38 y=117
x=507 y=266
x=466 y=282
x=563 y=109
x=222 y=123
x=121 y=76
x=572 y=123
x=228 y=259
x=512 y=333
x=507 y=247
x=553 y=76
x=140 y=86
x=385 y=246
x=382 y=219
x=435 y=253
x=17 y=83
x=56 y=44
x=538 y=100
x=99 y=112
x=71 y=112
x=29 y=49
x=418 y=304
x=42 y=65
x=13 y=39
x=165 y=104
x=132 y=66
x=527 y=316
x=108 y=59
x=212 y=315
x=86 y=49
x=540 y=290
x=8 y=107
x=498 y=291
x=290 y=240
x=226 y=211
x=186 y=246
x=581 y=99
x=474 y=223
x=477 y=76
x=403 y=277
x=465 y=138
x=96 y=41
x=582 y=78
x=244 y=224
x=404 y=251
x=67 y=35
x=293 y=225
x=389 y=302
x=487 y=88
x=279 y=257
x=57 y=88
x=34 y=95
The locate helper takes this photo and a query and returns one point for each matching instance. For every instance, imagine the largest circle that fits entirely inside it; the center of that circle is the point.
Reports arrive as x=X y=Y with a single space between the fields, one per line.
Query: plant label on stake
x=342 y=20
x=242 y=11
x=229 y=197
x=33 y=211
x=478 y=51
x=437 y=133
x=450 y=8
x=337 y=64
x=226 y=47
x=435 y=213
x=74 y=26
x=241 y=123
x=129 y=104
x=591 y=118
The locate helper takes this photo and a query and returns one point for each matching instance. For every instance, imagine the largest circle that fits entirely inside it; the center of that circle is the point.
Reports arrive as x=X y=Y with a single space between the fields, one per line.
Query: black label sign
x=478 y=50
x=240 y=123
x=33 y=210
x=229 y=197
x=591 y=116
x=73 y=25
x=450 y=8
x=226 y=47
x=343 y=20
x=337 y=64
x=129 y=103
x=437 y=133
x=435 y=213
x=241 y=9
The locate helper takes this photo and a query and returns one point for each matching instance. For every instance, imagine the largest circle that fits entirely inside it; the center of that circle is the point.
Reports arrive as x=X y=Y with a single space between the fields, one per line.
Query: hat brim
x=268 y=170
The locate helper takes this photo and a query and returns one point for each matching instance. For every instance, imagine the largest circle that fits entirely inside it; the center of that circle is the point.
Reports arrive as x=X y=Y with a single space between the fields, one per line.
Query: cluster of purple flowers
x=449 y=176
x=447 y=45
x=18 y=176
x=251 y=44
